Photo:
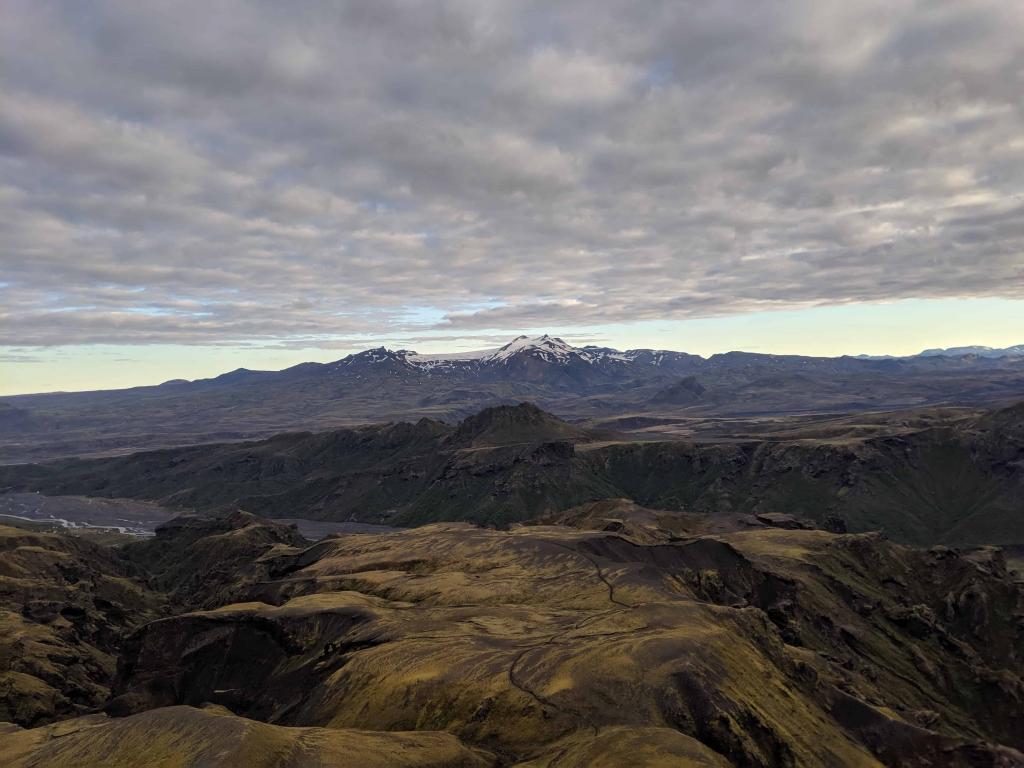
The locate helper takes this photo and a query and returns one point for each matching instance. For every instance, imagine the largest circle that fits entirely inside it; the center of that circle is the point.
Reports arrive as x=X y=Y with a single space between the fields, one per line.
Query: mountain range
x=587 y=384
x=525 y=354
x=543 y=358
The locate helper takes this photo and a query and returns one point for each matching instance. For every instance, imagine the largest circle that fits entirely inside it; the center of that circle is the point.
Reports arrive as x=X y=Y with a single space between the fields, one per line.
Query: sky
x=186 y=188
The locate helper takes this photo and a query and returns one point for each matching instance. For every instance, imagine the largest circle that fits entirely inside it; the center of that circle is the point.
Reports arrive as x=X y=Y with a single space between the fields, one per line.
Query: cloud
x=570 y=78
x=318 y=171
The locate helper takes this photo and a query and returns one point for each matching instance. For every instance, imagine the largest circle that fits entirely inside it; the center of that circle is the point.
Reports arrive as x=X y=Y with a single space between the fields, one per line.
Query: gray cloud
x=309 y=172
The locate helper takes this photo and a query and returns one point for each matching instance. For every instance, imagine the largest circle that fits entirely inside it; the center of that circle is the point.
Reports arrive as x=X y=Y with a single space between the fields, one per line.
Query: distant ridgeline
x=575 y=382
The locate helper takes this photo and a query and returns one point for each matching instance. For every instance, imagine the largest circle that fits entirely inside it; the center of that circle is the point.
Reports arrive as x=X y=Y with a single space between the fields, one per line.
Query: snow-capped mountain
x=384 y=384
x=524 y=357
x=551 y=364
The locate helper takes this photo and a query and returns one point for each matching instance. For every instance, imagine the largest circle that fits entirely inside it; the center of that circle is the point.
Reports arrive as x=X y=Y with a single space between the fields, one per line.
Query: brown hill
x=554 y=646
x=183 y=737
x=65 y=605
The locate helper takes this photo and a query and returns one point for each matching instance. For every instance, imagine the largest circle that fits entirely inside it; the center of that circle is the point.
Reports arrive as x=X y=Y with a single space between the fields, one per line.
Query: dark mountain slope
x=954 y=484
x=932 y=487
x=299 y=470
x=510 y=425
x=684 y=392
x=495 y=468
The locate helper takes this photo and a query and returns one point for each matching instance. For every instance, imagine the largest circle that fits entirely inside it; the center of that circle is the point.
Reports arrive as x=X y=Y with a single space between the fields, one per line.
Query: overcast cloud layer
x=208 y=172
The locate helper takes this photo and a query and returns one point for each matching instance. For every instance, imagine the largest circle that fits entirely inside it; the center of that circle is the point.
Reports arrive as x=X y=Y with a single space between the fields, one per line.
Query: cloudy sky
x=187 y=187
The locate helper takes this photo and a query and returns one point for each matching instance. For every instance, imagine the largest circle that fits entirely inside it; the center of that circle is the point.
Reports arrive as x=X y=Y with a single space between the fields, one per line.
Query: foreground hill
x=65 y=606
x=957 y=483
x=212 y=736
x=388 y=385
x=450 y=645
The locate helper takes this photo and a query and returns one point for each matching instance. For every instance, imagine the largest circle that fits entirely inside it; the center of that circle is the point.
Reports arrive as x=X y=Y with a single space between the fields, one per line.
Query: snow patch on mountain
x=418 y=358
x=550 y=349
